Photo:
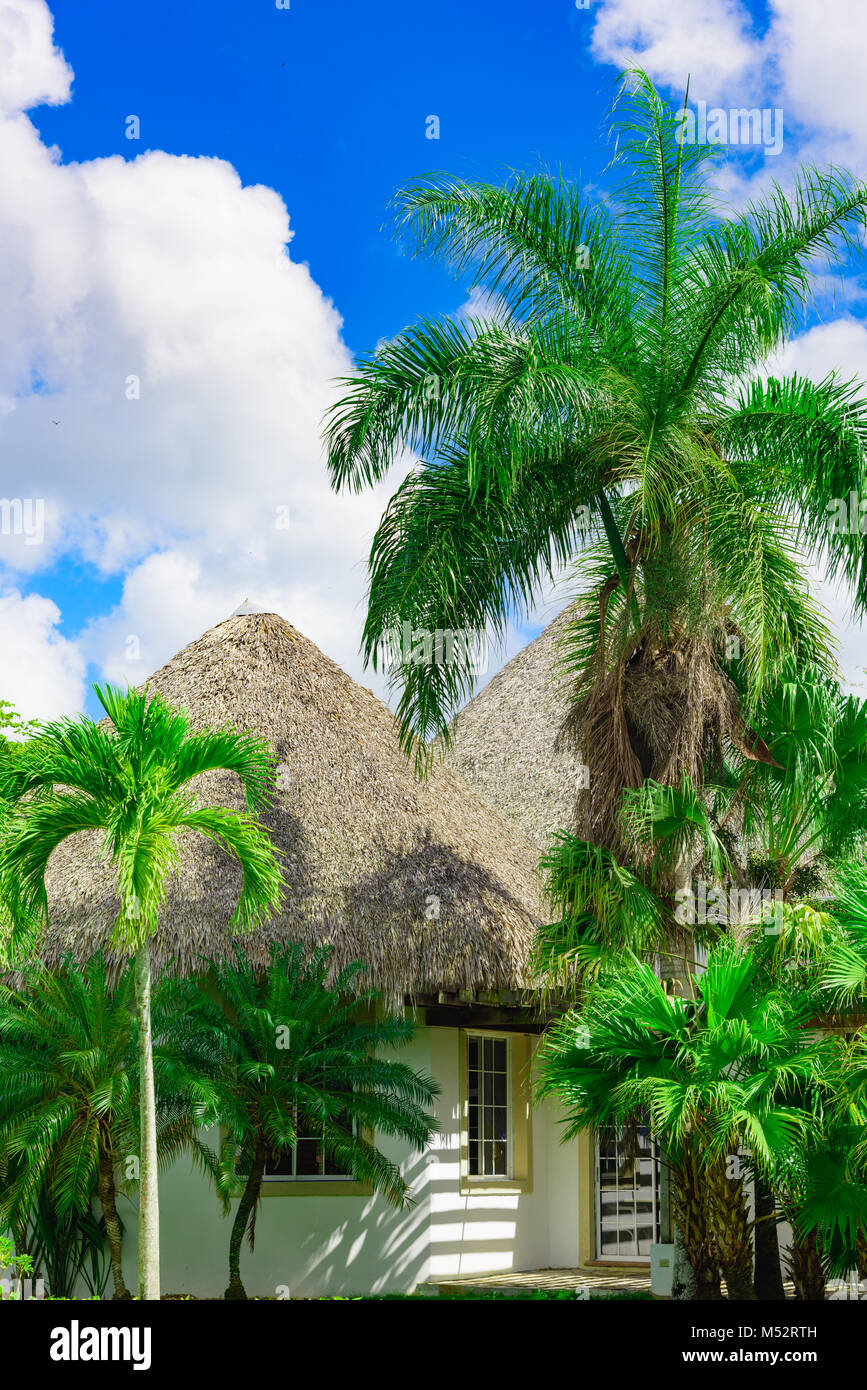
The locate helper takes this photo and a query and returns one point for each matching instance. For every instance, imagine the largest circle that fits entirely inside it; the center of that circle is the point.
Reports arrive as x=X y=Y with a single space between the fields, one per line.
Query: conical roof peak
x=507 y=740
x=421 y=880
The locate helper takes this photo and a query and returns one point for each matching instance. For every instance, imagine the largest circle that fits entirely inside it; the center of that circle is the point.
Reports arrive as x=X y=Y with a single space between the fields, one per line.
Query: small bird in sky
x=55 y=422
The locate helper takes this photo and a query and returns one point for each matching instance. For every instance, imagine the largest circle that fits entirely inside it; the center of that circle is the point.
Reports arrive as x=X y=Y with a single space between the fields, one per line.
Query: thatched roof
x=367 y=849
x=508 y=743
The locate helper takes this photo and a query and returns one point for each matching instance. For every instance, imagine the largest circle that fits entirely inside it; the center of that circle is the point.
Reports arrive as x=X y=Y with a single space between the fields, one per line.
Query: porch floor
x=607 y=1279
x=596 y=1281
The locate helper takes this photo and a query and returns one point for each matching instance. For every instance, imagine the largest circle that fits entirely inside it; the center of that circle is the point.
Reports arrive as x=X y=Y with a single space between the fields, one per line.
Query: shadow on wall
x=311 y=1245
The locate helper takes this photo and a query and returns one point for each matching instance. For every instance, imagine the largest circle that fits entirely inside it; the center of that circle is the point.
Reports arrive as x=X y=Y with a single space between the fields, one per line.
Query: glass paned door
x=627 y=1193
x=488 y=1110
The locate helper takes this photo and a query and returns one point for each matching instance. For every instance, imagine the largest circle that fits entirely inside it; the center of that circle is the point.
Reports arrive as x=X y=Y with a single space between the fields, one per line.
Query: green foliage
x=129 y=780
x=846 y=974
x=67 y=1070
x=604 y=910
x=788 y=821
x=673 y=824
x=608 y=412
x=11 y=720
x=13 y=1265
x=68 y=1247
x=68 y=1103
x=718 y=1070
x=268 y=1055
x=822 y=1184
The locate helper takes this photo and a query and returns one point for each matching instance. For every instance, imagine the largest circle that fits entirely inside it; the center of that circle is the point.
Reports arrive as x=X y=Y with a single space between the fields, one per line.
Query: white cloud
x=825 y=349
x=43 y=672
x=710 y=44
x=151 y=307
x=819 y=52
x=32 y=70
x=809 y=60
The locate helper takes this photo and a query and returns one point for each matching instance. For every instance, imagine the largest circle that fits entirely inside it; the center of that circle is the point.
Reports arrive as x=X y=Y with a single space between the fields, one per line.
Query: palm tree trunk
x=676 y=959
x=769 y=1276
x=106 y=1192
x=804 y=1266
x=149 y=1215
x=729 y=1216
x=861 y=1253
x=690 y=1209
x=246 y=1207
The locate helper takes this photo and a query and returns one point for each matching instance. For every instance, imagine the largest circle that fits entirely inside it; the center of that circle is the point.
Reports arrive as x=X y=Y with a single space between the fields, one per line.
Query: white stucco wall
x=357 y=1244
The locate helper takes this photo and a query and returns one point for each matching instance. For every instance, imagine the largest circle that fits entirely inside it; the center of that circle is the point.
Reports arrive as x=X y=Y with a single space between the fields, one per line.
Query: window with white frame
x=489 y=1106
x=308 y=1160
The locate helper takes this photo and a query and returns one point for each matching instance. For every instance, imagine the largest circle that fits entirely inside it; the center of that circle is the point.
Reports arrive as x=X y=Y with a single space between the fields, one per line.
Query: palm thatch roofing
x=510 y=741
x=422 y=881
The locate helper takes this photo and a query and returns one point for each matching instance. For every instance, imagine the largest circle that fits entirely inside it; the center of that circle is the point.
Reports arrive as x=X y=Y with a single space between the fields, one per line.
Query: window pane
x=280 y=1165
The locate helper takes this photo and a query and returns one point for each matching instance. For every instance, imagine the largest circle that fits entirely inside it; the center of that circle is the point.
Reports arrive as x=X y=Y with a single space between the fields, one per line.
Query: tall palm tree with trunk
x=787 y=828
x=606 y=416
x=289 y=1058
x=129 y=777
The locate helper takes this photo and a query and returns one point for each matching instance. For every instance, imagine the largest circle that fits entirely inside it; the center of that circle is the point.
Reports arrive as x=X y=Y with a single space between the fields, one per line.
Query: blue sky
x=326 y=103
x=160 y=262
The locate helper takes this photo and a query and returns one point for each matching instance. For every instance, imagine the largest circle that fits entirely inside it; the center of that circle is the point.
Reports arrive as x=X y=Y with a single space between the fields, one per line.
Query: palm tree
x=129 y=778
x=772 y=828
x=777 y=828
x=713 y=1074
x=286 y=1057
x=66 y=1043
x=602 y=908
x=846 y=968
x=69 y=1111
x=822 y=1185
x=604 y=415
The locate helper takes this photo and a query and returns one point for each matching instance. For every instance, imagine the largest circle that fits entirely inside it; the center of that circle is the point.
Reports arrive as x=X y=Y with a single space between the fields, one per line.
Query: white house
x=438 y=893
